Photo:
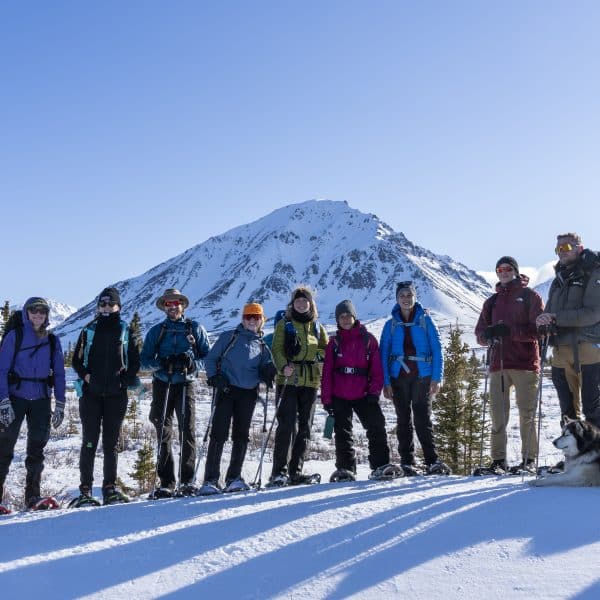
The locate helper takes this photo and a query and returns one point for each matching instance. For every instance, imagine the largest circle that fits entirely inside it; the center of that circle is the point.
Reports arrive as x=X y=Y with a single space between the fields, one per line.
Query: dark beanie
x=111 y=294
x=508 y=260
x=302 y=292
x=345 y=306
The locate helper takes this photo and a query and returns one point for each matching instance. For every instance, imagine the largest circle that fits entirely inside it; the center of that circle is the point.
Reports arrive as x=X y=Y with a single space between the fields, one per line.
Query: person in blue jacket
x=28 y=372
x=173 y=350
x=411 y=353
x=235 y=365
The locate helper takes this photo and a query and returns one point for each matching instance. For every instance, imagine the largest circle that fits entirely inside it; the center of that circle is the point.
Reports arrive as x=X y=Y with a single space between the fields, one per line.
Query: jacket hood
x=397 y=314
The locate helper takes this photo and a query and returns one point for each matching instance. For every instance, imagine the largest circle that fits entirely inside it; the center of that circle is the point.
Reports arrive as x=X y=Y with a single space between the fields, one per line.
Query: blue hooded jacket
x=425 y=337
x=32 y=361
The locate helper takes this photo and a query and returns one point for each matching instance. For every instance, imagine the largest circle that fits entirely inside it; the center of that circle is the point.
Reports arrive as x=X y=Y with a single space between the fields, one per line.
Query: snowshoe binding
x=386 y=472
x=496 y=467
x=277 y=481
x=42 y=503
x=4 y=510
x=236 y=485
x=301 y=479
x=111 y=495
x=186 y=490
x=210 y=488
x=342 y=476
x=559 y=467
x=160 y=493
x=84 y=499
x=411 y=470
x=524 y=468
x=438 y=468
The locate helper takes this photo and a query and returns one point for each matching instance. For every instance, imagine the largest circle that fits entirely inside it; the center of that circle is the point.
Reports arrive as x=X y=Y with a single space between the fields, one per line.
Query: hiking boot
x=388 y=471
x=42 y=503
x=209 y=488
x=160 y=493
x=302 y=479
x=498 y=466
x=342 y=475
x=85 y=498
x=528 y=467
x=185 y=490
x=438 y=468
x=411 y=470
x=236 y=485
x=111 y=495
x=279 y=480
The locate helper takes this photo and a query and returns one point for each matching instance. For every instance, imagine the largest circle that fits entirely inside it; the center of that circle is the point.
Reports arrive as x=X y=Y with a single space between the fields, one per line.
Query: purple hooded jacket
x=32 y=362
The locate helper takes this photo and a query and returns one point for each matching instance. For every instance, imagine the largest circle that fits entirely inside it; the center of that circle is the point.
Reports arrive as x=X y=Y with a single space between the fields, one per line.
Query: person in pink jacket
x=351 y=383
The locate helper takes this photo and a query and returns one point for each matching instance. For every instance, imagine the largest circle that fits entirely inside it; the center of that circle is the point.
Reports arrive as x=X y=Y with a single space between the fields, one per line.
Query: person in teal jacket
x=411 y=353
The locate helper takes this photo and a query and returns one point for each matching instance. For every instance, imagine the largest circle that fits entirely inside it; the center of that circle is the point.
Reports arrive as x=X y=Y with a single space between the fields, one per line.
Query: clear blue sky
x=131 y=131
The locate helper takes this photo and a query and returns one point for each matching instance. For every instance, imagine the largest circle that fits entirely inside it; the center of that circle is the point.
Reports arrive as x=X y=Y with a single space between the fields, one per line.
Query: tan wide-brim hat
x=172 y=294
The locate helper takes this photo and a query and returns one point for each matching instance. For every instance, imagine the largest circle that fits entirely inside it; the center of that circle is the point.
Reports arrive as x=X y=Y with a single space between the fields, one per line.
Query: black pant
x=108 y=412
x=412 y=401
x=294 y=422
x=236 y=404
x=372 y=419
x=38 y=413
x=179 y=393
x=590 y=392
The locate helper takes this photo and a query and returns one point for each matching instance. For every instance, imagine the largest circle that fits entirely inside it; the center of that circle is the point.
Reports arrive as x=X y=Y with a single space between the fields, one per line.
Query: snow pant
x=577 y=390
x=96 y=411
x=182 y=403
x=526 y=385
x=234 y=408
x=372 y=419
x=412 y=402
x=38 y=413
x=294 y=422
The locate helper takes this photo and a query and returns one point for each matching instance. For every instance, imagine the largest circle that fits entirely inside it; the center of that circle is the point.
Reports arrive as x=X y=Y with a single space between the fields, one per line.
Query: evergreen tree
x=135 y=328
x=69 y=355
x=144 y=468
x=4 y=316
x=473 y=428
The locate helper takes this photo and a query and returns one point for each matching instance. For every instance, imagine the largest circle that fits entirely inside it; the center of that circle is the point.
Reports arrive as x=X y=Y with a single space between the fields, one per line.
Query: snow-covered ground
x=419 y=538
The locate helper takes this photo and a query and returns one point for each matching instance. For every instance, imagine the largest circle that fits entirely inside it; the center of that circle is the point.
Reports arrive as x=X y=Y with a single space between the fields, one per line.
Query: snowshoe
x=42 y=503
x=236 y=485
x=559 y=467
x=301 y=479
x=497 y=467
x=341 y=476
x=111 y=495
x=4 y=510
x=209 y=488
x=185 y=490
x=160 y=493
x=527 y=468
x=84 y=499
x=411 y=470
x=386 y=472
x=276 y=481
x=438 y=468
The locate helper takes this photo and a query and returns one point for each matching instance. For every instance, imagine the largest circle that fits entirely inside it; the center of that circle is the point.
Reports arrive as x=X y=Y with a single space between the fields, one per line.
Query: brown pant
x=564 y=358
x=525 y=384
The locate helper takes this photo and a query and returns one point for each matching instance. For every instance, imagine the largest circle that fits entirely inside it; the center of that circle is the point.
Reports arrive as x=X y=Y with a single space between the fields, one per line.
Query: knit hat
x=253 y=308
x=508 y=260
x=302 y=292
x=110 y=294
x=36 y=301
x=172 y=294
x=345 y=306
x=405 y=285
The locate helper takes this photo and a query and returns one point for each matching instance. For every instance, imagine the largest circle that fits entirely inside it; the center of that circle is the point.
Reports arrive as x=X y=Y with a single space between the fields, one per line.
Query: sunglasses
x=253 y=317
x=564 y=248
x=504 y=269
x=37 y=310
x=104 y=303
x=172 y=303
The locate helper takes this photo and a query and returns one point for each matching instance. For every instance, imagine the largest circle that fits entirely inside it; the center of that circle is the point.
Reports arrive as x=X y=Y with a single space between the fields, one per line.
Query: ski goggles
x=172 y=303
x=564 y=248
x=506 y=269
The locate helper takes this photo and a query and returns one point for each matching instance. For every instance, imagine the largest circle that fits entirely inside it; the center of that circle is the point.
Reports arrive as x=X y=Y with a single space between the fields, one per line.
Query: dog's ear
x=578 y=426
x=566 y=420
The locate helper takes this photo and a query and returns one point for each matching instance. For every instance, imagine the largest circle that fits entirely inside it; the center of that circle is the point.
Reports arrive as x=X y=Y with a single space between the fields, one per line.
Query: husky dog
x=580 y=442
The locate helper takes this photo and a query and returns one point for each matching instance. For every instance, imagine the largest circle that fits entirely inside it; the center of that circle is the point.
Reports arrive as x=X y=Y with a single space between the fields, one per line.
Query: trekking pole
x=485 y=399
x=206 y=433
x=278 y=398
x=182 y=427
x=543 y=353
x=160 y=436
x=257 y=478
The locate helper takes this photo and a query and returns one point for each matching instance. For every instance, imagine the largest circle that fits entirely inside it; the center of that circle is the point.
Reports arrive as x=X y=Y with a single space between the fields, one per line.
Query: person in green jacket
x=299 y=342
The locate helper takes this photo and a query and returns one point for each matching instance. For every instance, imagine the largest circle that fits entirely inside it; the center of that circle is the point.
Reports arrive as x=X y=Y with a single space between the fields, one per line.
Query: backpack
x=163 y=331
x=15 y=323
x=353 y=370
x=291 y=342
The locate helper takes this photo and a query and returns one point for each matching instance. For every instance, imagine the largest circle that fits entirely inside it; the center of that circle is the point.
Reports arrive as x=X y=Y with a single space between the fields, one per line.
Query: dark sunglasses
x=172 y=303
x=37 y=310
x=253 y=317
x=104 y=303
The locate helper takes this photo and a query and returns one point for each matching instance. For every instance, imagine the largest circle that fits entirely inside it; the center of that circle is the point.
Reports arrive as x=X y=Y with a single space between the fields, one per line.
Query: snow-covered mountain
x=341 y=252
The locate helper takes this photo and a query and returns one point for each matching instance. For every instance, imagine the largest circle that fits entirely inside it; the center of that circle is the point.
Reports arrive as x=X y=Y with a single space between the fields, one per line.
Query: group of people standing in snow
x=351 y=369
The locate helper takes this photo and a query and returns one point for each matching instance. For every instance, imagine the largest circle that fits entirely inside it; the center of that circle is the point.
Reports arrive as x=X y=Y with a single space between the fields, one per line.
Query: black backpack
x=15 y=323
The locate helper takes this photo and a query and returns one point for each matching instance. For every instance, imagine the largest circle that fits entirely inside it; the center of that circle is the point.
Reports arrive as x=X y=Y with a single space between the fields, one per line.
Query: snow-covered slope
x=341 y=252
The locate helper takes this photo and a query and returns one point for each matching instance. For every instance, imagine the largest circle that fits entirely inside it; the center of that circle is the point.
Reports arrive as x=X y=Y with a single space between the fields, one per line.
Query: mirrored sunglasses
x=506 y=269
x=172 y=303
x=564 y=248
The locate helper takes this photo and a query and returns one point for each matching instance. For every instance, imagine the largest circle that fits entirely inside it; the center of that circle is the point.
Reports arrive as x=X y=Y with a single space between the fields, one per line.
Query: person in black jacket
x=107 y=360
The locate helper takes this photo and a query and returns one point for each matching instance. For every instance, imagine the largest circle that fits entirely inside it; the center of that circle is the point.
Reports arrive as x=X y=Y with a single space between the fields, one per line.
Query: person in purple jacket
x=28 y=372
x=351 y=382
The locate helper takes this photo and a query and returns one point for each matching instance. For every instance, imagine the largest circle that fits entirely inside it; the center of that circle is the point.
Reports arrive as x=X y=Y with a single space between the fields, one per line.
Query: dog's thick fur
x=580 y=443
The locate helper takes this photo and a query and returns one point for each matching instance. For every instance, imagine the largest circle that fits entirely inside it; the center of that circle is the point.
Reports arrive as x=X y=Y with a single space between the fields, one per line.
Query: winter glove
x=166 y=362
x=498 y=330
x=329 y=409
x=266 y=373
x=57 y=418
x=372 y=399
x=218 y=381
x=186 y=362
x=7 y=414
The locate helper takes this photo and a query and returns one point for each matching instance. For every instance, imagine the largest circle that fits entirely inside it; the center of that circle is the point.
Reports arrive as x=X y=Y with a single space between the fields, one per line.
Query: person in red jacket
x=351 y=383
x=507 y=326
